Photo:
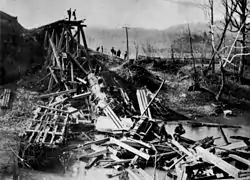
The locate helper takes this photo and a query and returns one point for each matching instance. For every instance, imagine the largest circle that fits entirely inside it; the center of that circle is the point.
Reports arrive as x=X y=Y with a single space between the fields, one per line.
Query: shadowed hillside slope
x=17 y=49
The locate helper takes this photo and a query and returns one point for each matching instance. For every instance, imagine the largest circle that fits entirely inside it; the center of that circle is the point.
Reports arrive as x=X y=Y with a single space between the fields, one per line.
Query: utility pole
x=211 y=4
x=126 y=30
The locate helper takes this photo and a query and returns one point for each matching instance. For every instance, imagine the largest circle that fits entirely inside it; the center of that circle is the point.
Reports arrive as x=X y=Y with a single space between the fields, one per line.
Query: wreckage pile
x=78 y=98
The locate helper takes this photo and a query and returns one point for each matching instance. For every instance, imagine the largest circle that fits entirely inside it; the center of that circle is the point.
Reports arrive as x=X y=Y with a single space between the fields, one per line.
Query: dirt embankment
x=177 y=93
x=18 y=51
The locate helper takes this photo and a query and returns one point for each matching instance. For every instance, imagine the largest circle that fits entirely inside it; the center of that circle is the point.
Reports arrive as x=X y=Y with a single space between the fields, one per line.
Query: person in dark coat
x=102 y=49
x=179 y=130
x=118 y=53
x=163 y=133
x=125 y=55
x=69 y=13
x=112 y=51
x=97 y=49
x=74 y=14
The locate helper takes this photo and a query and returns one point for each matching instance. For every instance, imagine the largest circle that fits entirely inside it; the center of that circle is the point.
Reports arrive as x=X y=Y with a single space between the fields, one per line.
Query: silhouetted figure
x=69 y=13
x=163 y=133
x=74 y=14
x=118 y=53
x=179 y=130
x=125 y=55
x=102 y=49
x=113 y=51
x=97 y=49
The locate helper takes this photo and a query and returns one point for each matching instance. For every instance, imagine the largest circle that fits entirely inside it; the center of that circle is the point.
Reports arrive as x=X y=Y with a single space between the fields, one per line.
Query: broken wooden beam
x=238 y=158
x=223 y=165
x=56 y=93
x=129 y=148
x=75 y=61
x=78 y=96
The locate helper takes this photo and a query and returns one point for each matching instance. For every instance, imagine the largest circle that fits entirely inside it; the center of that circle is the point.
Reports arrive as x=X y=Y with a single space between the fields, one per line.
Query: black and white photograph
x=124 y=89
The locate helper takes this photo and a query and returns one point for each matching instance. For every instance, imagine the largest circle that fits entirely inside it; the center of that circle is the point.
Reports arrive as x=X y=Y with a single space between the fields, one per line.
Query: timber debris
x=78 y=97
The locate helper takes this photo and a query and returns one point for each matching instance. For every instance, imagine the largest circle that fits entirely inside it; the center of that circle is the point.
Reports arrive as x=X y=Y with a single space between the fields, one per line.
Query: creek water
x=79 y=173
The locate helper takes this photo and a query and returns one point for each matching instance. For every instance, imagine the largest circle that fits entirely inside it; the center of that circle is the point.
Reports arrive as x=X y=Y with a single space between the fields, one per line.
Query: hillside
x=17 y=49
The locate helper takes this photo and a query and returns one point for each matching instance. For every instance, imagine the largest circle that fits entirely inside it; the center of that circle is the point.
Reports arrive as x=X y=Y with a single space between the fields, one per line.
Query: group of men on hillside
x=113 y=52
x=118 y=53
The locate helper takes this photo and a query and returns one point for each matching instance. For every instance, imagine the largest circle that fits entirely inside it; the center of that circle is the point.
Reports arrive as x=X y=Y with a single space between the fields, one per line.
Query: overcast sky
x=154 y=14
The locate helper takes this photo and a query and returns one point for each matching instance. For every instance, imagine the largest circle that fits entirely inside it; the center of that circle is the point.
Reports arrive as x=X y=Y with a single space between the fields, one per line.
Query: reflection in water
x=197 y=133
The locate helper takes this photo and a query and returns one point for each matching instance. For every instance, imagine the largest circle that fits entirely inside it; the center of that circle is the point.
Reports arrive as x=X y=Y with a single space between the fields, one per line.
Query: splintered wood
x=47 y=126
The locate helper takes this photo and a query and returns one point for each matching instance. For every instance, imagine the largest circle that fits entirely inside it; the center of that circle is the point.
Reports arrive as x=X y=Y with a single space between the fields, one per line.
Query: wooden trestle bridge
x=69 y=67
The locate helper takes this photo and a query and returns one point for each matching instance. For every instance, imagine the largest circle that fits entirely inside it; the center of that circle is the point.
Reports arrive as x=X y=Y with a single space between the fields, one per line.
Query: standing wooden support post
x=45 y=39
x=86 y=48
x=78 y=40
x=61 y=40
x=84 y=39
x=57 y=40
x=55 y=54
x=67 y=41
x=72 y=71
x=50 y=83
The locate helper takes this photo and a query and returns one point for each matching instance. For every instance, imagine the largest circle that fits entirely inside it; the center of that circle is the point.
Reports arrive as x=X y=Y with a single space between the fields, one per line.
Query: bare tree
x=238 y=23
x=195 y=75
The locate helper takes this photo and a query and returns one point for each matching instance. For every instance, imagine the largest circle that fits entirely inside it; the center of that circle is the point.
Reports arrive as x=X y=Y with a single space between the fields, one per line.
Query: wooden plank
x=50 y=83
x=235 y=145
x=86 y=94
x=141 y=143
x=53 y=109
x=129 y=148
x=99 y=152
x=238 y=158
x=72 y=71
x=110 y=113
x=56 y=93
x=181 y=148
x=223 y=165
